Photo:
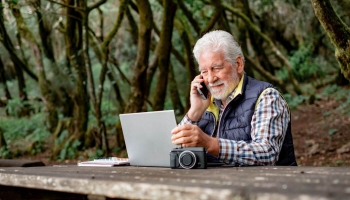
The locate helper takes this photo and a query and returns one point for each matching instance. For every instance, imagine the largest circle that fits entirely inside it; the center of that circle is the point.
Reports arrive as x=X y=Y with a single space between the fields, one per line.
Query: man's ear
x=240 y=65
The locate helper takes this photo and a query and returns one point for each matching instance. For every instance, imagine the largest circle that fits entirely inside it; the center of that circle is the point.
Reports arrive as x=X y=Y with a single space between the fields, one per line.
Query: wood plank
x=212 y=183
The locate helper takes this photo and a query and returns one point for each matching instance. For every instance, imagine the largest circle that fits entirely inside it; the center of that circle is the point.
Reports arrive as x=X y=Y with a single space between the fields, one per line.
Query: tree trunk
x=3 y=81
x=338 y=32
x=74 y=53
x=48 y=95
x=174 y=93
x=138 y=80
x=192 y=70
x=18 y=64
x=164 y=57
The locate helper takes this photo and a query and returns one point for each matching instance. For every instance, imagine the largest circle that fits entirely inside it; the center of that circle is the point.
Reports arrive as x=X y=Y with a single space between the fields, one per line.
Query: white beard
x=223 y=92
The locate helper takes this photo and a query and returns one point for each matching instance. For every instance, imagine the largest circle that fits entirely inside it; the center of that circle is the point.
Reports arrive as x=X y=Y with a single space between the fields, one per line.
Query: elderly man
x=244 y=121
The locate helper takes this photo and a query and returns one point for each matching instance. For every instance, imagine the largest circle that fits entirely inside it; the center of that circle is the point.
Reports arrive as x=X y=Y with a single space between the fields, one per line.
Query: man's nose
x=211 y=77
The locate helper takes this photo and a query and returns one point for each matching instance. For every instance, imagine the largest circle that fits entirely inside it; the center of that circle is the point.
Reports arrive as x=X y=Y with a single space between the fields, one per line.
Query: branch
x=214 y=18
x=177 y=54
x=122 y=8
x=96 y=5
x=133 y=26
x=115 y=63
x=66 y=5
x=6 y=40
x=100 y=13
x=134 y=6
x=189 y=16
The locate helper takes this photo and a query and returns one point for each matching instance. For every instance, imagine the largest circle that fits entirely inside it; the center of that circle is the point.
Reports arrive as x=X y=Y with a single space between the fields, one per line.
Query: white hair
x=219 y=41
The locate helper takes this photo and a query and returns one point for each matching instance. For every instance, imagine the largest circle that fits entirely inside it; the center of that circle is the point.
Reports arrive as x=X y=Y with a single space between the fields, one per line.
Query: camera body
x=188 y=158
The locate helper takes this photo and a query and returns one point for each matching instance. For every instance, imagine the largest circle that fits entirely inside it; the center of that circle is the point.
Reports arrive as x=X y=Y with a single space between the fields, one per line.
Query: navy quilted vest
x=235 y=123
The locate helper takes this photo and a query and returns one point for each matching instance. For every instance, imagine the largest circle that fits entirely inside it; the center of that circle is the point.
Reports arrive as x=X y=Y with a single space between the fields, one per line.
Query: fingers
x=196 y=83
x=185 y=141
x=181 y=128
x=187 y=135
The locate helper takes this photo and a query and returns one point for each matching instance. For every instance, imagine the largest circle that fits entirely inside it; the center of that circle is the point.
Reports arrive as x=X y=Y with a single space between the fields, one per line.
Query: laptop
x=148 y=137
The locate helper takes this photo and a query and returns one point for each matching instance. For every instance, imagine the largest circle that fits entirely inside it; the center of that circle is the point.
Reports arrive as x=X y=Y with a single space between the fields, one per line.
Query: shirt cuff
x=187 y=120
x=226 y=151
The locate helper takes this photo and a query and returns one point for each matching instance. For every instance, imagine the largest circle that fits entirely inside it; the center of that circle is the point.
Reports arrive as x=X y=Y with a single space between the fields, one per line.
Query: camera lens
x=187 y=159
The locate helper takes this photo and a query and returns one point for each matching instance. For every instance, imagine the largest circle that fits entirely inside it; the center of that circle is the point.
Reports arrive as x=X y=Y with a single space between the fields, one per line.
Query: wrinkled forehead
x=209 y=59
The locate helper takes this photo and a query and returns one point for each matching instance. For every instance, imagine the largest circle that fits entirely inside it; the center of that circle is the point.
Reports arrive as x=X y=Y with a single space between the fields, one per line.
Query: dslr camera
x=188 y=158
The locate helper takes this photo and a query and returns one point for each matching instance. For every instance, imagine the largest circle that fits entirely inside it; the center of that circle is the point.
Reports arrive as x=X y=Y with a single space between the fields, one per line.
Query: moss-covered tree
x=338 y=32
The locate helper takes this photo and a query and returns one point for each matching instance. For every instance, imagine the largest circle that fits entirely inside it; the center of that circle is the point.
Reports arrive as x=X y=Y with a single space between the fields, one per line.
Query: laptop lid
x=148 y=137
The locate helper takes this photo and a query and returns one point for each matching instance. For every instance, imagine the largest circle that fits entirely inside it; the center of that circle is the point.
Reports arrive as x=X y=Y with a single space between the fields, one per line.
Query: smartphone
x=203 y=91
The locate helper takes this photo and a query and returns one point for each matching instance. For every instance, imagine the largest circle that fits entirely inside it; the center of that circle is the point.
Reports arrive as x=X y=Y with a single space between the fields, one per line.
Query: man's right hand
x=198 y=104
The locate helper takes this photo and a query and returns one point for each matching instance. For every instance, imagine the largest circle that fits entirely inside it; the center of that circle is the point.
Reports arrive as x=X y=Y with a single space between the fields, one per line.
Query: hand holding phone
x=203 y=91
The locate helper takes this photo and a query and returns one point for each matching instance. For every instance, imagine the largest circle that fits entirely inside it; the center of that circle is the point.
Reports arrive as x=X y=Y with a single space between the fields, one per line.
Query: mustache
x=216 y=83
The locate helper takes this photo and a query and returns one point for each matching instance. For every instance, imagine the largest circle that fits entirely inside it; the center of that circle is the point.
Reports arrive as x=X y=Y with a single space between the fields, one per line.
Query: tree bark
x=3 y=80
x=174 y=93
x=102 y=135
x=2 y=139
x=338 y=32
x=74 y=50
x=18 y=63
x=138 y=80
x=192 y=70
x=164 y=57
x=49 y=97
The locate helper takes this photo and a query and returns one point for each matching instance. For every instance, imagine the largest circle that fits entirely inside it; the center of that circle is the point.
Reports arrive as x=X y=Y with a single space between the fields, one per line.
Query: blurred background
x=70 y=67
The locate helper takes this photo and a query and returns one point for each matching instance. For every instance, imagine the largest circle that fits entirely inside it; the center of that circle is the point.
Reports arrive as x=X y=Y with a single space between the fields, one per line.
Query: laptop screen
x=148 y=137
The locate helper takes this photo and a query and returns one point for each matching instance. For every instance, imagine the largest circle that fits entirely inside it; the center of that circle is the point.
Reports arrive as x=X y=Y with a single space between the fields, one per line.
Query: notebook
x=105 y=162
x=148 y=137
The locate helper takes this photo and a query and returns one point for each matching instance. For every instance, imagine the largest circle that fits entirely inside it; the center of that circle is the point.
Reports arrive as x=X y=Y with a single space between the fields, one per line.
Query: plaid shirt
x=269 y=126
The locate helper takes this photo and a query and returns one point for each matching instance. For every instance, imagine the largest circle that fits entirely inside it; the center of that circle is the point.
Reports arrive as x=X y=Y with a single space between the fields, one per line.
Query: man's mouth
x=216 y=85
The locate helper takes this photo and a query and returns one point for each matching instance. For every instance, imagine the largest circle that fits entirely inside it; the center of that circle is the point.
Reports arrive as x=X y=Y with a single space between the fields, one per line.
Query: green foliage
x=108 y=110
x=21 y=132
x=16 y=128
x=344 y=108
x=332 y=131
x=12 y=1
x=62 y=137
x=14 y=106
x=264 y=5
x=109 y=117
x=304 y=67
x=98 y=153
x=335 y=91
x=5 y=152
x=295 y=101
x=194 y=6
x=69 y=151
x=340 y=94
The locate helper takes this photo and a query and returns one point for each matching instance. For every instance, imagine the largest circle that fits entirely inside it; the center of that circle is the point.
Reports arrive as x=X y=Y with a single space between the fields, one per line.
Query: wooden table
x=128 y=182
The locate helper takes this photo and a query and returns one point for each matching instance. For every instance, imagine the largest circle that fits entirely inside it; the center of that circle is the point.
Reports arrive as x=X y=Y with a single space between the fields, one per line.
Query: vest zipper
x=215 y=126
x=222 y=114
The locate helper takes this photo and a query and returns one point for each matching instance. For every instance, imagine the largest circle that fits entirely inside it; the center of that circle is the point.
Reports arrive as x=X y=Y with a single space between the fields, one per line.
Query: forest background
x=69 y=68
